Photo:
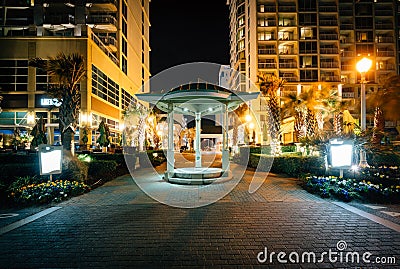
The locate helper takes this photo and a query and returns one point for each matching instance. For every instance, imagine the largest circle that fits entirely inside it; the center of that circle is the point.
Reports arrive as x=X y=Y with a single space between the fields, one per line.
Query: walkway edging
x=376 y=219
x=27 y=220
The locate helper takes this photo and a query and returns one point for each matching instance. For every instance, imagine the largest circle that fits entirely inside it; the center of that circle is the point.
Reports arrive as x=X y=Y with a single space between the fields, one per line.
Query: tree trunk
x=337 y=123
x=379 y=126
x=67 y=140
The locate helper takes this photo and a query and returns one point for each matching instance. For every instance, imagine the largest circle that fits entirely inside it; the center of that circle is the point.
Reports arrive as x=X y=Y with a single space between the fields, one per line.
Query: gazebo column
x=198 y=141
x=225 y=150
x=170 y=152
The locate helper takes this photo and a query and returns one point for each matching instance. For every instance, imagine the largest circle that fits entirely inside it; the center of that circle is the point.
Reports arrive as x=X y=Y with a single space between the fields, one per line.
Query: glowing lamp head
x=364 y=65
x=248 y=118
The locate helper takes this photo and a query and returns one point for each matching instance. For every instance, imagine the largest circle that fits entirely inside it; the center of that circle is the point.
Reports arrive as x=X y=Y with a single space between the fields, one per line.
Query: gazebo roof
x=193 y=98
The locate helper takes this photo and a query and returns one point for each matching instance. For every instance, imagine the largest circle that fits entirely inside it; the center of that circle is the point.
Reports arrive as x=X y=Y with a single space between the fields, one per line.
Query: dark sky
x=185 y=31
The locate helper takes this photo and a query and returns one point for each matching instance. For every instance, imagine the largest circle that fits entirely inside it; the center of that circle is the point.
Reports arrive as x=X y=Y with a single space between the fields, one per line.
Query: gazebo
x=197 y=100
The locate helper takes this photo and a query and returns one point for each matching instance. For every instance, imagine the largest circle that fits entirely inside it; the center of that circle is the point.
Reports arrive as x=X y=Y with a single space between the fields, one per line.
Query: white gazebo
x=197 y=100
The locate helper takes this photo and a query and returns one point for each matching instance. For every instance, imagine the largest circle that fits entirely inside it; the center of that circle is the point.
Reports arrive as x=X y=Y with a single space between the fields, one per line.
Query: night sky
x=185 y=31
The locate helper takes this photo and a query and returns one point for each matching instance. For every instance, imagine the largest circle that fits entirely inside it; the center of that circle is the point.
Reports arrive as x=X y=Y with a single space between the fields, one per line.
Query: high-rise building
x=308 y=42
x=111 y=35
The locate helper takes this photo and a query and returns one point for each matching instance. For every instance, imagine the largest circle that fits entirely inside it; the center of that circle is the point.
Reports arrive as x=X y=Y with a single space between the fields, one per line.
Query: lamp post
x=363 y=66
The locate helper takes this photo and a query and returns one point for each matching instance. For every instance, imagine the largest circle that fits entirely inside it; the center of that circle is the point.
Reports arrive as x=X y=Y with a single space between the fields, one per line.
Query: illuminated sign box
x=50 y=159
x=340 y=154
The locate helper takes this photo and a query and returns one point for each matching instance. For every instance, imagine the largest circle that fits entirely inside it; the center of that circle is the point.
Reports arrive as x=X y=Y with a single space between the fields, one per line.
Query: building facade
x=111 y=35
x=308 y=42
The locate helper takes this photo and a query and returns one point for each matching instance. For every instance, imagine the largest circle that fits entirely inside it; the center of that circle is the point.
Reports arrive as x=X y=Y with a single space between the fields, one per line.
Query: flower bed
x=349 y=189
x=47 y=192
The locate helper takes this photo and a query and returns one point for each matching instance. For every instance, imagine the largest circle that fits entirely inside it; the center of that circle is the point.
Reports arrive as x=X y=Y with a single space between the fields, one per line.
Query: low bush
x=151 y=158
x=101 y=171
x=292 y=165
x=47 y=192
x=383 y=157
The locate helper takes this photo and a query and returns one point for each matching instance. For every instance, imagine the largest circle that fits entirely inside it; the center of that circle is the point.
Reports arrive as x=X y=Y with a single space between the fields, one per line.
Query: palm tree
x=269 y=86
x=237 y=114
x=333 y=105
x=65 y=72
x=135 y=115
x=292 y=107
x=304 y=108
x=386 y=102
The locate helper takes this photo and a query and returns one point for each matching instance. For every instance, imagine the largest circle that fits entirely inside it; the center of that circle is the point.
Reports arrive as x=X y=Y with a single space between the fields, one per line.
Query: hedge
x=383 y=157
x=119 y=158
x=147 y=159
x=291 y=165
x=102 y=171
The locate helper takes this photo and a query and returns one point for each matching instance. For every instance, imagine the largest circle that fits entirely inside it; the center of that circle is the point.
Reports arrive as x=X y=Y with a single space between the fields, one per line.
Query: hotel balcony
x=387 y=67
x=289 y=77
x=266 y=65
x=328 y=36
x=347 y=67
x=328 y=51
x=328 y=22
x=385 y=53
x=110 y=42
x=329 y=64
x=383 y=12
x=103 y=5
x=286 y=23
x=106 y=23
x=347 y=53
x=345 y=12
x=327 y=8
x=384 y=39
x=384 y=25
x=267 y=51
x=16 y=3
x=266 y=23
x=289 y=65
x=330 y=78
x=104 y=48
x=346 y=26
x=287 y=8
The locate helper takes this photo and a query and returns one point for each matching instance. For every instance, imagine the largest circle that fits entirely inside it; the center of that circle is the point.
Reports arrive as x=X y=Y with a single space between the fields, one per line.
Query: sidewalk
x=117 y=225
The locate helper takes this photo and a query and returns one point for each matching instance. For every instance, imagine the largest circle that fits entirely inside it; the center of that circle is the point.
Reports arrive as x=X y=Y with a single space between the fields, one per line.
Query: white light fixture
x=50 y=159
x=341 y=154
x=30 y=118
x=210 y=109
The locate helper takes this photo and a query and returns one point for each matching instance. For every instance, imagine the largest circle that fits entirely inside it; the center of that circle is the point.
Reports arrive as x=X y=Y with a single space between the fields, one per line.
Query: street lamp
x=363 y=66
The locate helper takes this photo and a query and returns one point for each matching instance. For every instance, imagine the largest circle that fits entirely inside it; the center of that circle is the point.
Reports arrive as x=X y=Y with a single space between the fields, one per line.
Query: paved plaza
x=117 y=226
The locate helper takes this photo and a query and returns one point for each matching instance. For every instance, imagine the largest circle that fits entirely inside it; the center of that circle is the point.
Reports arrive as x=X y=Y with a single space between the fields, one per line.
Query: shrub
x=9 y=171
x=151 y=158
x=379 y=157
x=73 y=168
x=291 y=165
x=119 y=158
x=101 y=171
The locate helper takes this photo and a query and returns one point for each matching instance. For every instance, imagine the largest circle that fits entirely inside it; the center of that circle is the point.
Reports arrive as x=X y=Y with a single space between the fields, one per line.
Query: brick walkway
x=117 y=225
